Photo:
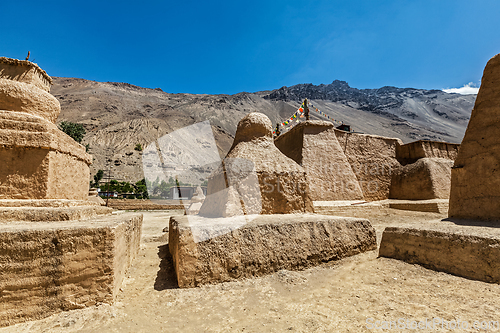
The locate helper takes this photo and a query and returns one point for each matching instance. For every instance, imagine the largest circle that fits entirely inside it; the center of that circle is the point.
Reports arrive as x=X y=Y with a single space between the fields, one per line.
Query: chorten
x=58 y=250
x=39 y=160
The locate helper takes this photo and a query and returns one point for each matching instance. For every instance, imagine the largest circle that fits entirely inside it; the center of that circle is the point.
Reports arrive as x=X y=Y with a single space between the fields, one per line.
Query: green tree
x=141 y=188
x=138 y=147
x=97 y=177
x=76 y=131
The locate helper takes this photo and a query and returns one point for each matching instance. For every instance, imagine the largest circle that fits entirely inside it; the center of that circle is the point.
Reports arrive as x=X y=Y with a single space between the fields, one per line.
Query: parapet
x=24 y=71
x=411 y=152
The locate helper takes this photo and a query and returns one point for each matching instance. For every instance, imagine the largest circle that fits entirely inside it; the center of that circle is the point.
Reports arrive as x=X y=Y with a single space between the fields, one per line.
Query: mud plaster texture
x=206 y=251
x=373 y=160
x=40 y=161
x=336 y=296
x=50 y=267
x=255 y=177
x=475 y=177
x=471 y=253
x=24 y=97
x=427 y=178
x=40 y=210
x=314 y=145
x=24 y=71
x=411 y=152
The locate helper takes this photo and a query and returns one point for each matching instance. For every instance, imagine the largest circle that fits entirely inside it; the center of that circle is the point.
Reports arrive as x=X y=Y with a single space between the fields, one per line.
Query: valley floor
x=345 y=296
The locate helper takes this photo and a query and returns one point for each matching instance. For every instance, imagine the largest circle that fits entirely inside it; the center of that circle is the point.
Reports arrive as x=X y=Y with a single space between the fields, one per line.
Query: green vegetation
x=138 y=147
x=76 y=131
x=141 y=190
x=161 y=189
x=138 y=189
x=97 y=177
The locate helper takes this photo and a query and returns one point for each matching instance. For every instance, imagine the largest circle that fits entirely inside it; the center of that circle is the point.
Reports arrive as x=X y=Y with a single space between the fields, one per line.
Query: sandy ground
x=344 y=296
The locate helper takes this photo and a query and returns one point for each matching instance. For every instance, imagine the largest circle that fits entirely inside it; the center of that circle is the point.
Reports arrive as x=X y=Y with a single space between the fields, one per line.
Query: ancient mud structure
x=373 y=159
x=467 y=248
x=471 y=253
x=256 y=218
x=425 y=171
x=267 y=244
x=427 y=178
x=314 y=146
x=411 y=152
x=58 y=250
x=255 y=177
x=475 y=177
x=342 y=165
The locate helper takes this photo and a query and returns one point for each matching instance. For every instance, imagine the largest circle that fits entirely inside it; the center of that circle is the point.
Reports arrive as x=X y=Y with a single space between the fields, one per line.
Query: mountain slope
x=117 y=116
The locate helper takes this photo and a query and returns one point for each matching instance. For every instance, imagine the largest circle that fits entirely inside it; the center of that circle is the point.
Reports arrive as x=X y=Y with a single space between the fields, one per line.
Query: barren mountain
x=117 y=116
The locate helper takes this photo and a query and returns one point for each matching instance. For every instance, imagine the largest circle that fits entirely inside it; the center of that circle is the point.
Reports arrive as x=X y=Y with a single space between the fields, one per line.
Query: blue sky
x=232 y=46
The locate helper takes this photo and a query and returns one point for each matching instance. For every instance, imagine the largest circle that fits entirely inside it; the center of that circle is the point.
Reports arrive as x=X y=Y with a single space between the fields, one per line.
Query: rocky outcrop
x=373 y=160
x=255 y=177
x=202 y=254
x=475 y=178
x=314 y=145
x=428 y=178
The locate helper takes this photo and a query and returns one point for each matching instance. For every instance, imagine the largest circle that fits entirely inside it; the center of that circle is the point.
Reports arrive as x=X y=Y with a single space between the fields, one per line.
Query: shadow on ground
x=165 y=278
x=473 y=223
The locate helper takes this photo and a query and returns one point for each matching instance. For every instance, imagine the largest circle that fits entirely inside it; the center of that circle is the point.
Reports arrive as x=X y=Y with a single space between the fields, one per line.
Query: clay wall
x=411 y=152
x=475 y=177
x=373 y=160
x=314 y=145
x=52 y=267
x=35 y=173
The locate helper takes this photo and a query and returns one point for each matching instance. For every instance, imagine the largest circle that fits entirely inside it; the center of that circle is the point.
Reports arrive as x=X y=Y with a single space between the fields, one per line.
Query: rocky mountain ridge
x=117 y=116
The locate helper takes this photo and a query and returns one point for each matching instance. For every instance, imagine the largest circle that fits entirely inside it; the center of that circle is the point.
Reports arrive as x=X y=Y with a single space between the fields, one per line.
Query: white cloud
x=468 y=89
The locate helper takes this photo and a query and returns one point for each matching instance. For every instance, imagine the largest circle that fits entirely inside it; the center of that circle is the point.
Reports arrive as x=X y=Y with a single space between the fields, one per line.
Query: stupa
x=58 y=250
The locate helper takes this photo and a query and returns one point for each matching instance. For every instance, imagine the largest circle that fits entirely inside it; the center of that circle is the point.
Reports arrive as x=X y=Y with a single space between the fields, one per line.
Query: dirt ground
x=345 y=296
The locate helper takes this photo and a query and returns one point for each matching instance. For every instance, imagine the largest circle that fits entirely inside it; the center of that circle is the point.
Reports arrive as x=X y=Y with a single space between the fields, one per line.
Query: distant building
x=111 y=194
x=344 y=127
x=186 y=192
